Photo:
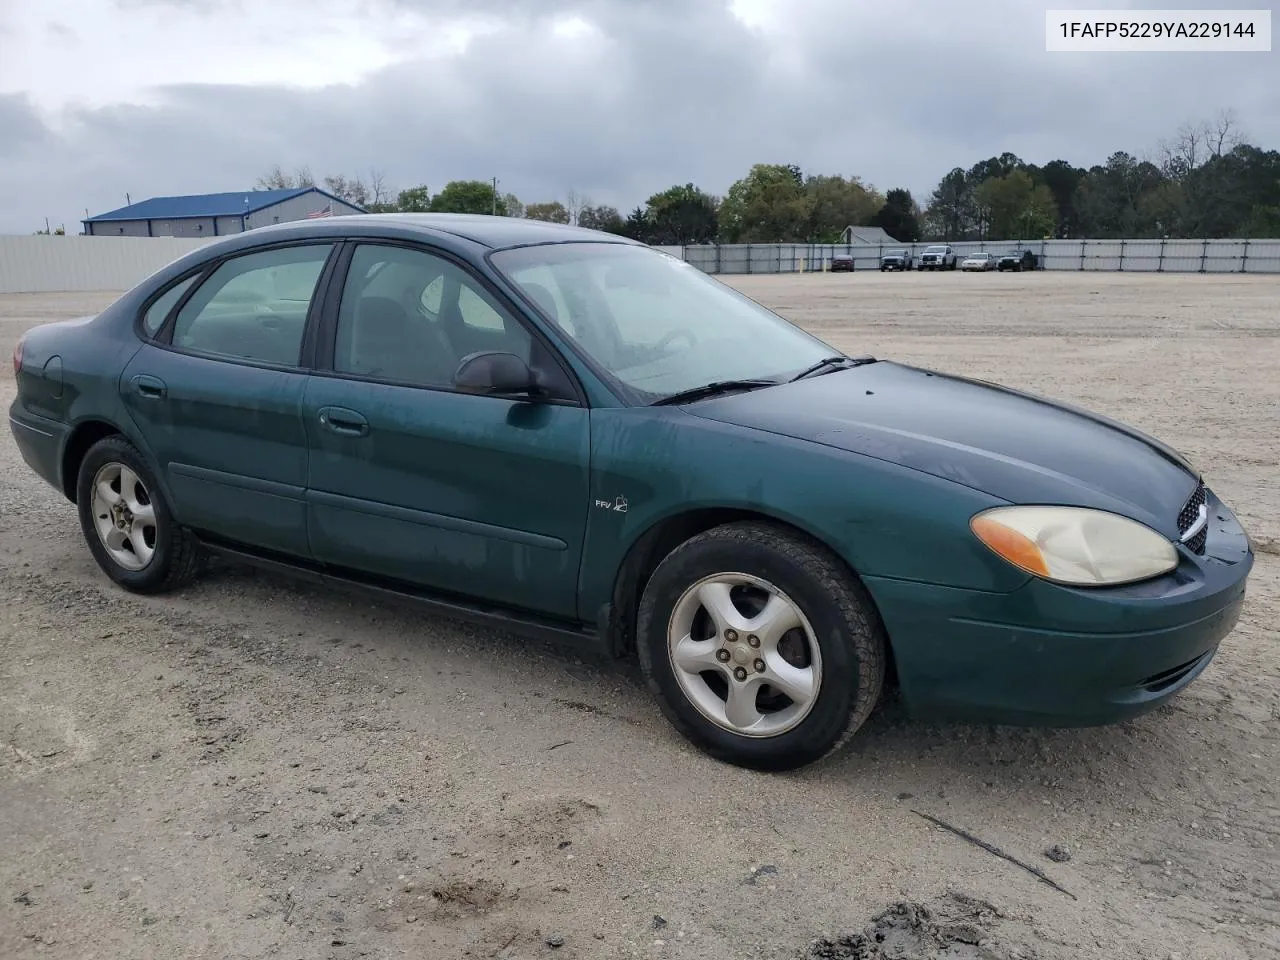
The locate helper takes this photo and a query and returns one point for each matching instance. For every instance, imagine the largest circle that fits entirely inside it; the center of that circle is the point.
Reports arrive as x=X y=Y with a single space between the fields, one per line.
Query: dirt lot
x=253 y=768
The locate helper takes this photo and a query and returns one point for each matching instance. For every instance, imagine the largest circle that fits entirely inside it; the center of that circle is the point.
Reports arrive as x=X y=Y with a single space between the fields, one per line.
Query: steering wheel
x=683 y=333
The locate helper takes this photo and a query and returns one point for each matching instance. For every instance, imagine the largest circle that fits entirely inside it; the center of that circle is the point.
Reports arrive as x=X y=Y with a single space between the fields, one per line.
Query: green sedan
x=576 y=436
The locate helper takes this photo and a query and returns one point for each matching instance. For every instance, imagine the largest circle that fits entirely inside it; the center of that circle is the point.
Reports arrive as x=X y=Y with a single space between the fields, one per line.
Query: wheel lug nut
x=753 y=640
x=740 y=674
x=731 y=636
x=722 y=656
x=759 y=665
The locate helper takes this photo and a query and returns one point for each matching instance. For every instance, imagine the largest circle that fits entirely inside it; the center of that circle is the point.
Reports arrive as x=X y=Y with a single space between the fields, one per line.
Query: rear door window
x=254 y=307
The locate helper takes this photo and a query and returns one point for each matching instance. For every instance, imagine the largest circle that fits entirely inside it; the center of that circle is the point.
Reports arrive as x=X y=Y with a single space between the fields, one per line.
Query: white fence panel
x=52 y=264
x=47 y=264
x=1140 y=256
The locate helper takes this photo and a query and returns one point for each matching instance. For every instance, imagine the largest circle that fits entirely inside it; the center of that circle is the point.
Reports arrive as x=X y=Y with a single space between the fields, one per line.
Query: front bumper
x=1048 y=655
x=40 y=441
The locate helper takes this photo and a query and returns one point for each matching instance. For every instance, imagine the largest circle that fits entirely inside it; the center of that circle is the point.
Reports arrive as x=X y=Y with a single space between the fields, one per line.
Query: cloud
x=615 y=99
x=23 y=129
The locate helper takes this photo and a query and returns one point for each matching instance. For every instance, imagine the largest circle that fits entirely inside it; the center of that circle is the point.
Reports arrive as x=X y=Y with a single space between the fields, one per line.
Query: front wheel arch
x=653 y=545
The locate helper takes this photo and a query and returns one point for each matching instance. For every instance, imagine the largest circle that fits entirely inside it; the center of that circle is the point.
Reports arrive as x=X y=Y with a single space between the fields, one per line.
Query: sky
x=611 y=99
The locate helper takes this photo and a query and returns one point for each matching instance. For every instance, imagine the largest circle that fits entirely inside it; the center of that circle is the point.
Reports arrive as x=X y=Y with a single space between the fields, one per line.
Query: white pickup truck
x=939 y=256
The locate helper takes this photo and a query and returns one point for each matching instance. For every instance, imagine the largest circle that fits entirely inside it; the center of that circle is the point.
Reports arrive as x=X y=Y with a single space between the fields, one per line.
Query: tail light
x=17 y=357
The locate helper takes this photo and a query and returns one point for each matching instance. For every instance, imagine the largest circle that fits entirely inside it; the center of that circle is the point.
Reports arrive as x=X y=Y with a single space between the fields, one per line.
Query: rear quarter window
x=154 y=318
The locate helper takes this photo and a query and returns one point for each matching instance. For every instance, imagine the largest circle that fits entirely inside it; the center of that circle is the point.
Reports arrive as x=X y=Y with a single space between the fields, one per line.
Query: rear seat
x=274 y=338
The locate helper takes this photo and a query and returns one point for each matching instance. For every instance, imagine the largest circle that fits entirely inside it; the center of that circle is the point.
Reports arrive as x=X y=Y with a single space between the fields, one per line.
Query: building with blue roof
x=217 y=214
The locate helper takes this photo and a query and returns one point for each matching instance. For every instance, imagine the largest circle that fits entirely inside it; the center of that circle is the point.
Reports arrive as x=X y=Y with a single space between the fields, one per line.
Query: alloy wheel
x=744 y=654
x=124 y=516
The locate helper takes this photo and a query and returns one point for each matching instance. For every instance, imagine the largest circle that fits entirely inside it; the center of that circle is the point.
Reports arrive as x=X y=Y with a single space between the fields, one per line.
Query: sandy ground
x=253 y=768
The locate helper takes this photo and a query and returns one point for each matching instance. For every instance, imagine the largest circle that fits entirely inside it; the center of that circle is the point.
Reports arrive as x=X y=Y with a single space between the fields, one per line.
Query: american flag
x=325 y=211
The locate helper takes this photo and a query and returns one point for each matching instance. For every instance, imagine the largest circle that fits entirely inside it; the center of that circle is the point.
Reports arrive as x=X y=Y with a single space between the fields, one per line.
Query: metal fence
x=1138 y=256
x=54 y=264
x=45 y=264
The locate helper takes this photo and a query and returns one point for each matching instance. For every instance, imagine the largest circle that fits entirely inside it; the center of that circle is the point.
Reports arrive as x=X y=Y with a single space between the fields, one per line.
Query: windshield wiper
x=712 y=389
x=832 y=363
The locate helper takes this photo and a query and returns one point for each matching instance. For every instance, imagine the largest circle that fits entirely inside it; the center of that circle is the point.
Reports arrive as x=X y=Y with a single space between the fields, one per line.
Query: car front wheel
x=762 y=648
x=127 y=523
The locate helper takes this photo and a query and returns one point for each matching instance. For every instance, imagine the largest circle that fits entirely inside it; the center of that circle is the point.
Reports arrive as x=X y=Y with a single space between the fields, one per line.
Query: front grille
x=1187 y=518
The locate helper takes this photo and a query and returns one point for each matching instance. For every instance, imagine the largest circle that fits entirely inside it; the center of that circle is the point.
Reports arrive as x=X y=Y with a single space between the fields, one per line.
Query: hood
x=1015 y=446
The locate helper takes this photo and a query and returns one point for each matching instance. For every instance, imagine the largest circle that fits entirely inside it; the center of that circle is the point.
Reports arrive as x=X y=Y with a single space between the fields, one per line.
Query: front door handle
x=151 y=388
x=344 y=421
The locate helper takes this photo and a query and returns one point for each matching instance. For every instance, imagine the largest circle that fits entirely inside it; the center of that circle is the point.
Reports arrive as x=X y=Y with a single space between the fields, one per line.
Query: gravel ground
x=255 y=768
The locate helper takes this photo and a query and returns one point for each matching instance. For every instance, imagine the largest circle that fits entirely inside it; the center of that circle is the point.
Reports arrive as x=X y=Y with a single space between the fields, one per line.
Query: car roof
x=489 y=231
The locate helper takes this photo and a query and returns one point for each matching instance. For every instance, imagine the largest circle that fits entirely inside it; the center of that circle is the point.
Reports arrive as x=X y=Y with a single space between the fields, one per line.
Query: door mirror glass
x=494 y=373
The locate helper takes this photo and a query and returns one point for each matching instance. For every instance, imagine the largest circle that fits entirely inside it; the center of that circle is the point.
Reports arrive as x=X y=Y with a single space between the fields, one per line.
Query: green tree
x=1063 y=180
x=466 y=196
x=601 y=218
x=553 y=212
x=836 y=203
x=682 y=215
x=414 y=200
x=511 y=206
x=636 y=225
x=1263 y=223
x=950 y=211
x=1016 y=207
x=1110 y=199
x=898 y=216
x=768 y=205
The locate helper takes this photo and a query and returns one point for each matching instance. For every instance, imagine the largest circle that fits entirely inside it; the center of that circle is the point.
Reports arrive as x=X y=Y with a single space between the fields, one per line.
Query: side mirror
x=494 y=373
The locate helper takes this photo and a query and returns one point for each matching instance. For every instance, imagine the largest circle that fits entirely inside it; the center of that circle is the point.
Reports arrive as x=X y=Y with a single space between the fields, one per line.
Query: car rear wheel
x=762 y=649
x=127 y=523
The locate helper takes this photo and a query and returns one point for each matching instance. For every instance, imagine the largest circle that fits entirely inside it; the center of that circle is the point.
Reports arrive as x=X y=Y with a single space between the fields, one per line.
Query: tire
x=174 y=556
x=830 y=613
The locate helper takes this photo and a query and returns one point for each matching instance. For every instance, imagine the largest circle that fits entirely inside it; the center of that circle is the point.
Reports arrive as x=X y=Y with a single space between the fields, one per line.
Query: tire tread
x=186 y=556
x=829 y=574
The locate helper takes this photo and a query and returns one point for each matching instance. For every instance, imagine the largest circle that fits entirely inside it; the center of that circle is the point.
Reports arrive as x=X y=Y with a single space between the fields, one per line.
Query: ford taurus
x=577 y=436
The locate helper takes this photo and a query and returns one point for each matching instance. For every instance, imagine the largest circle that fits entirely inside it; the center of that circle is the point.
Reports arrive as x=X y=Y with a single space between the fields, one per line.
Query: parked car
x=842 y=263
x=899 y=259
x=938 y=257
x=576 y=436
x=979 y=261
x=1017 y=260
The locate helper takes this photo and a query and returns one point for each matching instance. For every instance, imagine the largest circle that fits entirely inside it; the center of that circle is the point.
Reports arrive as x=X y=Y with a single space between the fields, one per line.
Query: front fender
x=652 y=464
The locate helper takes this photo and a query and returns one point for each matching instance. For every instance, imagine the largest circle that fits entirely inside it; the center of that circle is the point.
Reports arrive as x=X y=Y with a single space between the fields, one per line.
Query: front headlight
x=1075 y=545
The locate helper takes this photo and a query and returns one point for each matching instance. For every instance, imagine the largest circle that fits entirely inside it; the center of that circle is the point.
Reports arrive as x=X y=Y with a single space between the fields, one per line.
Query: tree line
x=1204 y=182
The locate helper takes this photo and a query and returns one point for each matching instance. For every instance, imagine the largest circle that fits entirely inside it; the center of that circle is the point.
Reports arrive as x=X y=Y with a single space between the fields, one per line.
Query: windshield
x=896 y=253
x=655 y=324
x=935 y=250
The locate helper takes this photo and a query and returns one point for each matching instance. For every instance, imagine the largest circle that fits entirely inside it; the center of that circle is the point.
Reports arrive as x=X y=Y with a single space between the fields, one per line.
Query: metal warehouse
x=216 y=214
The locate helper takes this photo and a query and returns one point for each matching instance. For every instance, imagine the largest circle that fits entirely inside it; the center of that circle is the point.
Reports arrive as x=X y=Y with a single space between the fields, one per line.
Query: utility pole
x=495 y=196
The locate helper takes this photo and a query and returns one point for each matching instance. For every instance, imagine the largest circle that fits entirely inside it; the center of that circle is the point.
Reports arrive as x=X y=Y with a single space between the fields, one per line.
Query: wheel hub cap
x=744 y=654
x=124 y=516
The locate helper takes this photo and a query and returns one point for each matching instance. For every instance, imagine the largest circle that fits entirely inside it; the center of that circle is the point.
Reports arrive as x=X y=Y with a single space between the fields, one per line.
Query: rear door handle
x=344 y=421
x=152 y=388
